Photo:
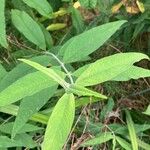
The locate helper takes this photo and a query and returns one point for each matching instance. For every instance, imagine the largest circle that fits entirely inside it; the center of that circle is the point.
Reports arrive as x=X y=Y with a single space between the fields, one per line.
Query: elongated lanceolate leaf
x=26 y=86
x=48 y=71
x=84 y=44
x=60 y=123
x=28 y=27
x=21 y=70
x=42 y=6
x=107 y=68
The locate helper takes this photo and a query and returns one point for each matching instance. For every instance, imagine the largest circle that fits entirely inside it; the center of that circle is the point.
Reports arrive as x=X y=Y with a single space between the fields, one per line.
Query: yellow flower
x=133 y=8
x=140 y=6
x=76 y=5
x=116 y=8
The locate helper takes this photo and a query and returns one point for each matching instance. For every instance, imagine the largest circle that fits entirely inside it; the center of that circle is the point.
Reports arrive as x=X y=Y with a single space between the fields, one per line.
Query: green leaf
x=133 y=73
x=88 y=3
x=27 y=109
x=66 y=0
x=104 y=137
x=28 y=27
x=22 y=140
x=132 y=132
x=143 y=145
x=6 y=142
x=26 y=86
x=77 y=20
x=21 y=70
x=3 y=72
x=84 y=44
x=7 y=128
x=107 y=68
x=147 y=112
x=83 y=101
x=107 y=108
x=82 y=91
x=60 y=123
x=123 y=143
x=13 y=110
x=119 y=129
x=47 y=71
x=48 y=38
x=3 y=37
x=56 y=4
x=26 y=140
x=42 y=6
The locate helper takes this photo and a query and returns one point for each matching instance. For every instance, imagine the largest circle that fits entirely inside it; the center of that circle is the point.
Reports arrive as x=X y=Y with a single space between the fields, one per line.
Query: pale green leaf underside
x=60 y=123
x=3 y=41
x=28 y=27
x=84 y=44
x=42 y=6
x=26 y=86
x=107 y=68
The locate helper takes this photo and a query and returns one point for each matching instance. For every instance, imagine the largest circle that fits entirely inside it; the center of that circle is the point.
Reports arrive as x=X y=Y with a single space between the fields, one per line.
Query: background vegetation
x=58 y=87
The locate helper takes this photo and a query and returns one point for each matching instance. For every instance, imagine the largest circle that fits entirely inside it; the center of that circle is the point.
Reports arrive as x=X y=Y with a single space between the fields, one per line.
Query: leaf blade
x=60 y=123
x=123 y=143
x=23 y=87
x=28 y=27
x=42 y=6
x=3 y=37
x=47 y=71
x=133 y=73
x=21 y=70
x=3 y=72
x=99 y=139
x=27 y=109
x=132 y=132
x=79 y=46
x=82 y=91
x=110 y=67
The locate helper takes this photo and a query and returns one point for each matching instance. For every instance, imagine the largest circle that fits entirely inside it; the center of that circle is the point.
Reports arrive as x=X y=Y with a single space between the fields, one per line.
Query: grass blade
x=132 y=132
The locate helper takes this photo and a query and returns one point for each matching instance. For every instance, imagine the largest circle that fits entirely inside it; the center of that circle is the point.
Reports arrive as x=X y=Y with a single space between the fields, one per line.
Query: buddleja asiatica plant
x=35 y=87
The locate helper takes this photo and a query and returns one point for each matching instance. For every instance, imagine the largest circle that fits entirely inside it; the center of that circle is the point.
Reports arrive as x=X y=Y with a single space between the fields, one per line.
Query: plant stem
x=62 y=65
